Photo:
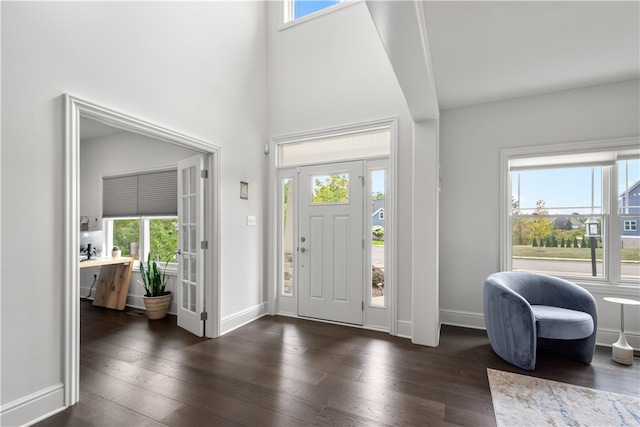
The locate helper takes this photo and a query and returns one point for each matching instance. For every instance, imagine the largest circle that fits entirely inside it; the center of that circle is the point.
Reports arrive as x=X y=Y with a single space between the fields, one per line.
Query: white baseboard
x=404 y=329
x=241 y=318
x=287 y=314
x=133 y=301
x=462 y=318
x=604 y=336
x=33 y=408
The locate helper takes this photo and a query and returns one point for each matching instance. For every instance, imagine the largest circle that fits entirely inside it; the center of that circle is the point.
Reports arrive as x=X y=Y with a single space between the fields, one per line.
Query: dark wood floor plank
x=93 y=410
x=384 y=396
x=236 y=410
x=121 y=370
x=276 y=357
x=337 y=418
x=189 y=416
x=280 y=371
x=142 y=401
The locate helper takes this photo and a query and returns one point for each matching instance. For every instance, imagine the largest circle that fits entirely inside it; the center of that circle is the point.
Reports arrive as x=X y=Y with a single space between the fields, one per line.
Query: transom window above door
x=335 y=147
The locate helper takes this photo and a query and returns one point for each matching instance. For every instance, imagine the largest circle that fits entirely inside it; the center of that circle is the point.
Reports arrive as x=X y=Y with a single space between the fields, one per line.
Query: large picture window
x=551 y=201
x=549 y=210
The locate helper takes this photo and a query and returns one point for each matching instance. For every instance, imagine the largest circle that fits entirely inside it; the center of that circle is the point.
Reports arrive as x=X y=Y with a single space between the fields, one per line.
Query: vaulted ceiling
x=483 y=51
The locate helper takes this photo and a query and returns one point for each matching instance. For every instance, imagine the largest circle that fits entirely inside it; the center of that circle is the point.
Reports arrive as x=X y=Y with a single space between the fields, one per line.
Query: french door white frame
x=76 y=108
x=275 y=175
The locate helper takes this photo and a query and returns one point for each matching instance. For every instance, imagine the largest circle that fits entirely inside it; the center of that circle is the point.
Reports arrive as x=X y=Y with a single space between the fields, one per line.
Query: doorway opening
x=335 y=229
x=76 y=111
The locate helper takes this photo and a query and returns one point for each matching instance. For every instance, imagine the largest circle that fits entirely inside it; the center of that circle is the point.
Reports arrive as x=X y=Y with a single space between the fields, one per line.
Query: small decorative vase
x=116 y=253
x=157 y=307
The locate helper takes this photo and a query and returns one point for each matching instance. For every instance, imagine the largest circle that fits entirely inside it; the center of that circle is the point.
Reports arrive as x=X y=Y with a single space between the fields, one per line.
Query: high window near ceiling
x=294 y=11
x=551 y=198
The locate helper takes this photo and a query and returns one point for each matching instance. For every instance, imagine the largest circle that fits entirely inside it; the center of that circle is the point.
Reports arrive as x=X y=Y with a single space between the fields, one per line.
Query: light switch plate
x=251 y=220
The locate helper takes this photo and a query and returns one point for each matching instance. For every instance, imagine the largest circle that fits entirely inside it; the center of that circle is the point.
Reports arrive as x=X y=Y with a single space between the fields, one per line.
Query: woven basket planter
x=157 y=307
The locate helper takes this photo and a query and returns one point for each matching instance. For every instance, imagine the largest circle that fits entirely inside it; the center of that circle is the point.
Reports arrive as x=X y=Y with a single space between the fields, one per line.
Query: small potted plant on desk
x=154 y=280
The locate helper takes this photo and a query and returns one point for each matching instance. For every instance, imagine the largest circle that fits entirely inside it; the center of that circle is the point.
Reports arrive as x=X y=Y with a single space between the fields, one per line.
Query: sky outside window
x=306 y=7
x=628 y=169
x=567 y=188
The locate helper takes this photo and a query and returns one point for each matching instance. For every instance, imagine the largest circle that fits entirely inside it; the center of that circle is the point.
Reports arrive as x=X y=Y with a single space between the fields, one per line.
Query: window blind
x=144 y=194
x=585 y=159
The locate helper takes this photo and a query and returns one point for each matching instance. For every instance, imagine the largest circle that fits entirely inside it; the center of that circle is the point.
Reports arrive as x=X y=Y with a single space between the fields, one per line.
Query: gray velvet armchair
x=525 y=310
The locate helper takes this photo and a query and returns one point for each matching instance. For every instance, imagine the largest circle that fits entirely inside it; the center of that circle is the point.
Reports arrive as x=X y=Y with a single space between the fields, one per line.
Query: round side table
x=621 y=351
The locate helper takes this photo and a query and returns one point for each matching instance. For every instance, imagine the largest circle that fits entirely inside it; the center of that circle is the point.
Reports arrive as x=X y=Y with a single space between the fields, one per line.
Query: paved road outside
x=579 y=267
x=546 y=266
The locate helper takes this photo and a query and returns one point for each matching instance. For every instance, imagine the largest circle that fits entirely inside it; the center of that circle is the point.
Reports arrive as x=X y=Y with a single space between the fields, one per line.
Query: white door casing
x=75 y=108
x=191 y=244
x=330 y=247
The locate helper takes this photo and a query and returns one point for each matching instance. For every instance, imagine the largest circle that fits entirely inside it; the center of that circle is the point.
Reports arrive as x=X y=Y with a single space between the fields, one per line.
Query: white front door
x=330 y=242
x=190 y=283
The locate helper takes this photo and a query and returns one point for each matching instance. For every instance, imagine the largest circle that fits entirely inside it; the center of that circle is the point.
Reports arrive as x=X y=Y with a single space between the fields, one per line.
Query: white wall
x=198 y=68
x=333 y=71
x=121 y=153
x=470 y=143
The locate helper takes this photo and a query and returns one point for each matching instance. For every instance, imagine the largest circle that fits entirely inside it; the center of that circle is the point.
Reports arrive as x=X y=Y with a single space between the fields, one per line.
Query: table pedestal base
x=621 y=351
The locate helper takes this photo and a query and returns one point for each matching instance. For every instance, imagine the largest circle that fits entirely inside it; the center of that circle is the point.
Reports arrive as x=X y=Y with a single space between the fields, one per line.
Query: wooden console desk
x=113 y=281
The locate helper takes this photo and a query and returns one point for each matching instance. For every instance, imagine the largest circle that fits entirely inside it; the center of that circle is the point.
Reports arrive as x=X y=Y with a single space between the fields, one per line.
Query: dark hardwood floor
x=279 y=371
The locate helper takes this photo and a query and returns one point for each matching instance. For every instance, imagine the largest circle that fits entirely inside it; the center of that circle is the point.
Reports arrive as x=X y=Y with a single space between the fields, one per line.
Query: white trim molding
x=604 y=336
x=276 y=173
x=48 y=401
x=243 y=317
x=404 y=329
x=75 y=108
x=571 y=152
x=285 y=13
x=464 y=319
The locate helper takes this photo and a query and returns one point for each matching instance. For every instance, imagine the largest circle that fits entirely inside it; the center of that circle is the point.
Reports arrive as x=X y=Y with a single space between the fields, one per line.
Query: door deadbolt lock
x=303 y=239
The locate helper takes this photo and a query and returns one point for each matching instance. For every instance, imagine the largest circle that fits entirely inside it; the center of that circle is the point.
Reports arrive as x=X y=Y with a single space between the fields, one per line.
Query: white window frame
x=612 y=234
x=286 y=12
x=381 y=215
x=630 y=225
x=143 y=239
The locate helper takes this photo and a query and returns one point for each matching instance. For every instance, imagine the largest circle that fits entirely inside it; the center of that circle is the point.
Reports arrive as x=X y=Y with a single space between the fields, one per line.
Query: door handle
x=303 y=250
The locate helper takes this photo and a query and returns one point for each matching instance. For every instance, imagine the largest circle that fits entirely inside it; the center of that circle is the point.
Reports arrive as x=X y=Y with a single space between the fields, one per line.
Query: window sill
x=610 y=289
x=170 y=271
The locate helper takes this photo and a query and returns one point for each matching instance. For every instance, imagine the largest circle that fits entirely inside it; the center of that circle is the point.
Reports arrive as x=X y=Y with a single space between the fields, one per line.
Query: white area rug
x=520 y=400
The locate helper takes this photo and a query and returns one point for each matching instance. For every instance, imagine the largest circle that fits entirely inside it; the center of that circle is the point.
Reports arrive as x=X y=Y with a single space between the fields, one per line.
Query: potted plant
x=154 y=280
